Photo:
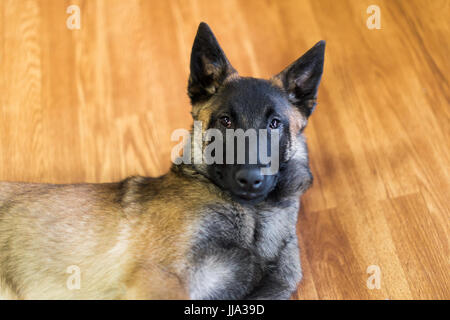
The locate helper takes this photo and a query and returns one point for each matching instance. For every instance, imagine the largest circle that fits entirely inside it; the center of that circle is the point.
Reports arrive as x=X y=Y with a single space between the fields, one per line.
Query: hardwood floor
x=100 y=103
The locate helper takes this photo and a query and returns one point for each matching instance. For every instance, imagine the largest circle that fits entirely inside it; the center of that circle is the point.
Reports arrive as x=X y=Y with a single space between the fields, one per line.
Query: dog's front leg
x=223 y=273
x=281 y=276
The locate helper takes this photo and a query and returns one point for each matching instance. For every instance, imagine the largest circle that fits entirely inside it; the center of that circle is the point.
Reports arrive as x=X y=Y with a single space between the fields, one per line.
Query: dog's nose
x=249 y=179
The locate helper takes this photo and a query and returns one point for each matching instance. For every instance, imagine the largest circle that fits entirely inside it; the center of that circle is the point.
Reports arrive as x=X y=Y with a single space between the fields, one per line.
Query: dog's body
x=142 y=238
x=184 y=235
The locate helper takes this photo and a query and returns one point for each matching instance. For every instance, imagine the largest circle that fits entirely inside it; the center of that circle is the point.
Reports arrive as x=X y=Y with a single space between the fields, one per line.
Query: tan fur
x=203 y=114
x=276 y=81
x=202 y=111
x=127 y=244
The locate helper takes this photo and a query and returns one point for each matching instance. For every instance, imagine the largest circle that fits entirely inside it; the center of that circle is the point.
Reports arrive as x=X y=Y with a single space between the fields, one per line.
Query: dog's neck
x=298 y=181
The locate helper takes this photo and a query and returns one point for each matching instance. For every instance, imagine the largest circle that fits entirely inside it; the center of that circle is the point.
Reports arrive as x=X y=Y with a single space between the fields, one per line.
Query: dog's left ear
x=301 y=79
x=209 y=65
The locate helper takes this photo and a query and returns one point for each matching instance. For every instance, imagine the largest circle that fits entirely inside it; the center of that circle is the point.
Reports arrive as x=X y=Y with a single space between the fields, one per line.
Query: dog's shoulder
x=262 y=229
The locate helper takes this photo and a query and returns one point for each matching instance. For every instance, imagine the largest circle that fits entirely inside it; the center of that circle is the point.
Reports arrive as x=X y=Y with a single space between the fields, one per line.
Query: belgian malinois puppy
x=202 y=231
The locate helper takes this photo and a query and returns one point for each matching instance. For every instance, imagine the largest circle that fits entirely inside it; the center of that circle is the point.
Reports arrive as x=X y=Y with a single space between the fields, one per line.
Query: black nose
x=249 y=179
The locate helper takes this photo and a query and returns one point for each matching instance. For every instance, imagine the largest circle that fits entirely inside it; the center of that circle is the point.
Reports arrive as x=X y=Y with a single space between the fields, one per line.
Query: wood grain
x=99 y=104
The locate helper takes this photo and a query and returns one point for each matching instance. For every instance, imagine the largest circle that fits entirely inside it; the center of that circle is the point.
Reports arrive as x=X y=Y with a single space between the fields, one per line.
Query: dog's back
x=8 y=189
x=49 y=232
x=38 y=227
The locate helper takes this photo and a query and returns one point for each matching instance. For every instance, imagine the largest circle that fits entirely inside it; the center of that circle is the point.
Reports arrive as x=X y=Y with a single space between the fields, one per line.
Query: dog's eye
x=274 y=124
x=226 y=122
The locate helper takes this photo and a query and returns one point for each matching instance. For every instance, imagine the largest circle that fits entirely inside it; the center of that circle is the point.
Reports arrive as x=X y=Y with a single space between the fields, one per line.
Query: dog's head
x=222 y=101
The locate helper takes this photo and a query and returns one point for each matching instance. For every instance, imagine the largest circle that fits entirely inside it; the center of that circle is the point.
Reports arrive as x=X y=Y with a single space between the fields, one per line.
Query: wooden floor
x=99 y=104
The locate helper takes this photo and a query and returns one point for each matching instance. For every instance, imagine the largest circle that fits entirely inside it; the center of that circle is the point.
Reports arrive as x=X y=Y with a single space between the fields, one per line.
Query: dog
x=201 y=231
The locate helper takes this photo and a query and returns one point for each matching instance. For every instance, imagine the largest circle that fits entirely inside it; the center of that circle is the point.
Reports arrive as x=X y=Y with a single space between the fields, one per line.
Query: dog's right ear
x=301 y=79
x=209 y=66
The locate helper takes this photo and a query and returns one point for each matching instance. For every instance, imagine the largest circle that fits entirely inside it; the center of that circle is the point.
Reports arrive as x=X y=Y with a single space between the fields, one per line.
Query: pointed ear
x=301 y=79
x=209 y=65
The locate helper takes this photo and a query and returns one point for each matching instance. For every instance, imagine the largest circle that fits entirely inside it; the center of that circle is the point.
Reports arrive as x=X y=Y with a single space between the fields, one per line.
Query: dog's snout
x=249 y=179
